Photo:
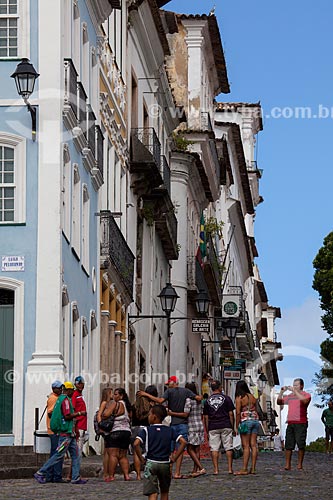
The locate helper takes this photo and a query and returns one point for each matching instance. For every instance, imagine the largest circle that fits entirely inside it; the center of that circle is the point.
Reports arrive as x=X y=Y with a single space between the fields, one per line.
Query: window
x=14 y=29
x=85 y=227
x=66 y=188
x=7 y=186
x=12 y=179
x=9 y=19
x=113 y=27
x=76 y=209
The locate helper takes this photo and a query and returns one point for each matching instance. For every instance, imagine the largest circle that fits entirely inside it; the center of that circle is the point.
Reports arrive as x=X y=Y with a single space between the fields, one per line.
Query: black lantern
x=262 y=381
x=230 y=327
x=202 y=302
x=25 y=77
x=168 y=298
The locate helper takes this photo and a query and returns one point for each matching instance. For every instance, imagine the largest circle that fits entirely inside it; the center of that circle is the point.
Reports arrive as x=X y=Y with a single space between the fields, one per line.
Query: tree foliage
x=323 y=281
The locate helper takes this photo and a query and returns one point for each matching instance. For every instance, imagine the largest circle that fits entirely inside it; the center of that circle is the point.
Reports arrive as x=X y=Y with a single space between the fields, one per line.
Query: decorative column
x=47 y=362
x=194 y=40
x=180 y=170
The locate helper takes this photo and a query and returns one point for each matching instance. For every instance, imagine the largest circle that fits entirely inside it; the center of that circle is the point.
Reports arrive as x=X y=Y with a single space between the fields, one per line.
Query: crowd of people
x=158 y=429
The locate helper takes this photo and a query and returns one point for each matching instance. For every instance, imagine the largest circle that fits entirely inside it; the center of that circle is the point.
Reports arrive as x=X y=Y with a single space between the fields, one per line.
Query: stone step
x=21 y=459
x=9 y=450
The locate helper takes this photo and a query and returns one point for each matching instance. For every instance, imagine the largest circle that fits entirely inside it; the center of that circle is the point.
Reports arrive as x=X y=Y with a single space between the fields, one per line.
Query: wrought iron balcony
x=251 y=166
x=115 y=251
x=99 y=149
x=145 y=160
x=70 y=111
x=145 y=146
x=82 y=109
x=165 y=171
x=212 y=273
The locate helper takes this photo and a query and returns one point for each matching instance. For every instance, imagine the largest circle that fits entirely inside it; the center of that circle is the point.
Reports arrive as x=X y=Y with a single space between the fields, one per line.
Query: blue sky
x=280 y=53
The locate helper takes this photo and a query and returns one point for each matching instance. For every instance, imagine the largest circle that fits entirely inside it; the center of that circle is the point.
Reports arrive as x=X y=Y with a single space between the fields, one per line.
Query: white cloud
x=302 y=325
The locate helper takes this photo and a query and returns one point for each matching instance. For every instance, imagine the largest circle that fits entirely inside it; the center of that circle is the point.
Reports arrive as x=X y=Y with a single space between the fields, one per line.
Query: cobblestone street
x=269 y=483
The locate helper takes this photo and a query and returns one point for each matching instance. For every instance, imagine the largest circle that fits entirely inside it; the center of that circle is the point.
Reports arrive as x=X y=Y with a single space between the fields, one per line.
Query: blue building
x=49 y=190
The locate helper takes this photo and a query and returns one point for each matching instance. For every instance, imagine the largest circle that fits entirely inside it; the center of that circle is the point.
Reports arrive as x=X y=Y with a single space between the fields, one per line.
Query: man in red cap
x=175 y=397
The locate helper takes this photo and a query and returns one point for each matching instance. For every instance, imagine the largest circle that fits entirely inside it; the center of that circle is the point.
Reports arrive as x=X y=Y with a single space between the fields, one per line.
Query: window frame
x=18 y=143
x=23 y=30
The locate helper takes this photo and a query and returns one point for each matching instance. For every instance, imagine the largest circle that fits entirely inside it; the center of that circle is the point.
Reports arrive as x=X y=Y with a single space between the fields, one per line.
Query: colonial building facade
x=137 y=178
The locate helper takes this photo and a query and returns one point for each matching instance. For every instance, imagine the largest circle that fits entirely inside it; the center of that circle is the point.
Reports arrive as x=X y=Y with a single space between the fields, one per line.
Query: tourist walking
x=79 y=405
x=298 y=401
x=175 y=397
x=159 y=438
x=327 y=419
x=247 y=425
x=106 y=400
x=196 y=433
x=219 y=424
x=118 y=441
x=54 y=475
x=62 y=423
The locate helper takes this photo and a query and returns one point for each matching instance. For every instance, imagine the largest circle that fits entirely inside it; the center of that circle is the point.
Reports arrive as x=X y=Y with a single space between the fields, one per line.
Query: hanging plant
x=214 y=228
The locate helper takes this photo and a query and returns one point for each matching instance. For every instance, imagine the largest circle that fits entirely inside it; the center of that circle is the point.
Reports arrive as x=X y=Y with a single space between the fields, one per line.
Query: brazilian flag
x=202 y=238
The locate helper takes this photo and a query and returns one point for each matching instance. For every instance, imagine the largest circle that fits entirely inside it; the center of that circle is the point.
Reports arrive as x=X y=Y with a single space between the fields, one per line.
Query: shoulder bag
x=107 y=424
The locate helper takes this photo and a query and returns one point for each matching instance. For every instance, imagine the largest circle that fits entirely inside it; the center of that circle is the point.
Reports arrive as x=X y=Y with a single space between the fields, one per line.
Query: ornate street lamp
x=25 y=77
x=168 y=298
x=202 y=302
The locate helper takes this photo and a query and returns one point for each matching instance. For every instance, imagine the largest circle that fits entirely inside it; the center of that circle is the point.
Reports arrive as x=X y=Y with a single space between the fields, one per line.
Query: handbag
x=237 y=451
x=242 y=428
x=107 y=424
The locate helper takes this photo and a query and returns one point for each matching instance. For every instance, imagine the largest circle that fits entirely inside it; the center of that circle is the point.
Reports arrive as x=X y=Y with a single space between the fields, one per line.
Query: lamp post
x=168 y=298
x=25 y=77
x=230 y=327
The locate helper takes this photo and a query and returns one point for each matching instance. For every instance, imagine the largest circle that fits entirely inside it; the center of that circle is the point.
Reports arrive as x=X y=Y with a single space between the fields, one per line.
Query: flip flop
x=182 y=476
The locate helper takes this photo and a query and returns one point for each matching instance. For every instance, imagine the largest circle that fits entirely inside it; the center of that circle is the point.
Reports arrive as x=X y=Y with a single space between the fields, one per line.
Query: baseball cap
x=56 y=384
x=68 y=385
x=172 y=380
x=79 y=379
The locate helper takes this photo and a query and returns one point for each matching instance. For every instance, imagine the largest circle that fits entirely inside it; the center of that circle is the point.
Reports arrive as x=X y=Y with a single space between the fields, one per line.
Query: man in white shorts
x=219 y=424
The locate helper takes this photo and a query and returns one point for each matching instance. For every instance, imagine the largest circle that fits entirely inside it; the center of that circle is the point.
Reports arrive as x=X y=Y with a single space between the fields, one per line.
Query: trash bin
x=42 y=442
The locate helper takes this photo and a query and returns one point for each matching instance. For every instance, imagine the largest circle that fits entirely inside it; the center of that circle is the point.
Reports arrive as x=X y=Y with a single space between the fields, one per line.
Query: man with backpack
x=62 y=423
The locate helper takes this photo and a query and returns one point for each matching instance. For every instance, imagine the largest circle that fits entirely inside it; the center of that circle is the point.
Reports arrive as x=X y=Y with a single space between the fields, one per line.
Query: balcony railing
x=99 y=149
x=165 y=171
x=145 y=146
x=71 y=86
x=251 y=166
x=91 y=119
x=206 y=123
x=82 y=108
x=115 y=249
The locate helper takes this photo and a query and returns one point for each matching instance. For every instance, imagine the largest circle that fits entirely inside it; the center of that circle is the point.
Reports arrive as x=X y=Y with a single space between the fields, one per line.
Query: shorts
x=252 y=426
x=118 y=439
x=156 y=477
x=296 y=434
x=218 y=437
x=180 y=429
x=329 y=433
